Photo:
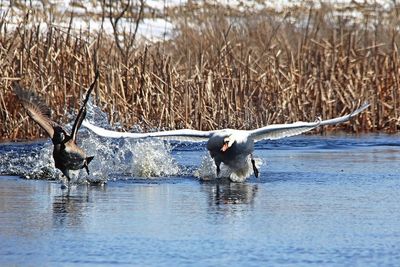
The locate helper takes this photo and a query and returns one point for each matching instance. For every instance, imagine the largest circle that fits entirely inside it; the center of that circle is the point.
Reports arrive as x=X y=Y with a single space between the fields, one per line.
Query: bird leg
x=66 y=174
x=218 y=168
x=86 y=168
x=86 y=164
x=253 y=162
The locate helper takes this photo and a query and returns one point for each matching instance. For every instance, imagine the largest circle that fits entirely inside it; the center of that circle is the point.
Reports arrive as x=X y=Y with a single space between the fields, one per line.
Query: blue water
x=332 y=200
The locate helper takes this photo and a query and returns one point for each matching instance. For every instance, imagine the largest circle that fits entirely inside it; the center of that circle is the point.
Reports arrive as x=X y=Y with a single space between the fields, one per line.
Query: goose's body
x=66 y=153
x=232 y=147
x=69 y=156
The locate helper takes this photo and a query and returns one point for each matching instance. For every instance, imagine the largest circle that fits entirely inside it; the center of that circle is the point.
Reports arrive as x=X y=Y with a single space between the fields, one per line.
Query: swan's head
x=228 y=142
x=224 y=140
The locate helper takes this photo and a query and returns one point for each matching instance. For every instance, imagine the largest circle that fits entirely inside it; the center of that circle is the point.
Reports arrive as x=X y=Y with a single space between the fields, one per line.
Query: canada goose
x=66 y=153
x=232 y=147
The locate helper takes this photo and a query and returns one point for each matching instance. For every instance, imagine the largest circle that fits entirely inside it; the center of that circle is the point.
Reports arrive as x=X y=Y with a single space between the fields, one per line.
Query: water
x=319 y=201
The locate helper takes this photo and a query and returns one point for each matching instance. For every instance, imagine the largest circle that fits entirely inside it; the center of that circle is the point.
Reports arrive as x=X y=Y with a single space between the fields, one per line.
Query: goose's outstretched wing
x=278 y=131
x=35 y=108
x=178 y=135
x=82 y=112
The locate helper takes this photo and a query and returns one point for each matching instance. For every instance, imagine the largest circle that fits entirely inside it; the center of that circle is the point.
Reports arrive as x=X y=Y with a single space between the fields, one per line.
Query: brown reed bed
x=223 y=68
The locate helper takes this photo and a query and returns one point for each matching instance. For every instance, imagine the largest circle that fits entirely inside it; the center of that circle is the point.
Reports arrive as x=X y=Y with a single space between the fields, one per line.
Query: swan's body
x=66 y=153
x=232 y=147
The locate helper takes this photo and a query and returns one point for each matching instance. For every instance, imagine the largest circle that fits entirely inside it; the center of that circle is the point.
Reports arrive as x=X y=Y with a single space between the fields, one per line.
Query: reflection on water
x=226 y=192
x=69 y=208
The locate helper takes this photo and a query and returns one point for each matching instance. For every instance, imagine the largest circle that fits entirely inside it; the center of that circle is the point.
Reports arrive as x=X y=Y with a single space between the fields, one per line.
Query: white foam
x=113 y=158
x=145 y=158
x=207 y=170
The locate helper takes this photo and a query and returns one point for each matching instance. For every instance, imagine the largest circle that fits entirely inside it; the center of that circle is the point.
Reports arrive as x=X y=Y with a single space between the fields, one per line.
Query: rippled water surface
x=319 y=201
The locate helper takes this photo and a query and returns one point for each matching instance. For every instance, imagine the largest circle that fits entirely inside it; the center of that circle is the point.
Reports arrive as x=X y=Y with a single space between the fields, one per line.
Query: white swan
x=232 y=147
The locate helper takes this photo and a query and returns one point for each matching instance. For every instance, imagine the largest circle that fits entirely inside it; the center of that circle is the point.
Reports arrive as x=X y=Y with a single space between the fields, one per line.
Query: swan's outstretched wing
x=278 y=131
x=35 y=108
x=82 y=112
x=269 y=132
x=345 y=117
x=178 y=135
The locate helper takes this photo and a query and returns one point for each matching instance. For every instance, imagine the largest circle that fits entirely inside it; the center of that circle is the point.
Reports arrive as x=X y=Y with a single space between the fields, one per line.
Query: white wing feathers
x=178 y=135
x=278 y=131
x=285 y=130
x=345 y=117
x=275 y=131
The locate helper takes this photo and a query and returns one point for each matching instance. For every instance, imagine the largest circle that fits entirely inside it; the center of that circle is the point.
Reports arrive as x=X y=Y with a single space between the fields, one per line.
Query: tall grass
x=223 y=68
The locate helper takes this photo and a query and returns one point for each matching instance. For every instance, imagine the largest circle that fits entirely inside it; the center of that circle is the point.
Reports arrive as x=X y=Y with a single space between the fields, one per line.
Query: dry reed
x=223 y=68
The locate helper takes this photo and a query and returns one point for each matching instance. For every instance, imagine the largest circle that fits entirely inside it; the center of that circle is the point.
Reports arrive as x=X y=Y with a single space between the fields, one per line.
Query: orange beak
x=225 y=147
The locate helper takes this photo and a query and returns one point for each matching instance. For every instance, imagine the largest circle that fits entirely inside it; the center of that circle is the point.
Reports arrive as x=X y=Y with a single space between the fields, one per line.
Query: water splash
x=32 y=161
x=207 y=170
x=144 y=158
x=129 y=158
x=113 y=158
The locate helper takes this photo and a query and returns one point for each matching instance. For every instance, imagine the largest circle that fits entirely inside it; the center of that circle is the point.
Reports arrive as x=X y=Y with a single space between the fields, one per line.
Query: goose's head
x=59 y=135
